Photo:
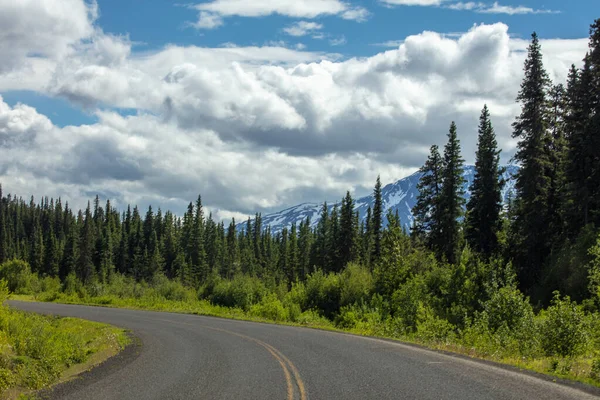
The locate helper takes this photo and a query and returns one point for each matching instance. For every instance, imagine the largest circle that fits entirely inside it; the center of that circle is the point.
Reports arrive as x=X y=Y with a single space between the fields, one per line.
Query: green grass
x=37 y=351
x=585 y=369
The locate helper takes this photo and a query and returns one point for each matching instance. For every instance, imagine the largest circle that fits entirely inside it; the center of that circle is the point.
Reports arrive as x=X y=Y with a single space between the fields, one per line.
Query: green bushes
x=322 y=293
x=565 y=327
x=19 y=278
x=270 y=307
x=241 y=292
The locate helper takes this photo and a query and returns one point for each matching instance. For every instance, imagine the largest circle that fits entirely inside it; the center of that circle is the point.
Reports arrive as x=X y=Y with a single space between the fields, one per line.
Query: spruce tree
x=321 y=254
x=85 y=265
x=483 y=221
x=3 y=230
x=377 y=223
x=451 y=199
x=556 y=146
x=427 y=212
x=347 y=236
x=304 y=245
x=530 y=230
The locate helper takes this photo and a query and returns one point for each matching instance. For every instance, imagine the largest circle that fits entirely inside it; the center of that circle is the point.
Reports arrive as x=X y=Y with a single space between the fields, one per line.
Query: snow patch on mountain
x=400 y=196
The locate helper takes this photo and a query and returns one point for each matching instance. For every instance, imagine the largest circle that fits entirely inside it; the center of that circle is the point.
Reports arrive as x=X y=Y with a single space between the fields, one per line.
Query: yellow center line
x=299 y=381
x=282 y=359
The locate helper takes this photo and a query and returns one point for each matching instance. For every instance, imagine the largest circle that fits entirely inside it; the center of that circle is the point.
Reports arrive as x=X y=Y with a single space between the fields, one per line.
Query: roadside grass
x=38 y=351
x=584 y=368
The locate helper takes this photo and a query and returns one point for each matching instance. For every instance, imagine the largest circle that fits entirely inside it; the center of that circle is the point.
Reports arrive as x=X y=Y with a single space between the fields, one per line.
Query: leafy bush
x=322 y=292
x=270 y=307
x=360 y=317
x=594 y=271
x=431 y=328
x=243 y=291
x=356 y=284
x=313 y=318
x=508 y=306
x=18 y=275
x=406 y=302
x=564 y=328
x=170 y=289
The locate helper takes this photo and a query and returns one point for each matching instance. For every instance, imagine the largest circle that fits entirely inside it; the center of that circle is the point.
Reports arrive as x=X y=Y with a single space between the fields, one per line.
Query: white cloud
x=211 y=13
x=302 y=28
x=475 y=6
x=42 y=28
x=501 y=9
x=208 y=20
x=497 y=8
x=413 y=2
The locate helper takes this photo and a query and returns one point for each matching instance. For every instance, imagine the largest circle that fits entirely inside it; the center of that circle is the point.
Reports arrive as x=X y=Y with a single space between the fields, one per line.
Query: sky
x=258 y=105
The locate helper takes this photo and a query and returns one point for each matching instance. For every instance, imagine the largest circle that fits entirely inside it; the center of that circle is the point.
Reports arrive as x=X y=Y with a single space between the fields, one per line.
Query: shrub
x=507 y=306
x=243 y=291
x=18 y=275
x=594 y=271
x=406 y=302
x=170 y=289
x=431 y=328
x=72 y=286
x=270 y=307
x=356 y=284
x=564 y=328
x=322 y=292
x=313 y=318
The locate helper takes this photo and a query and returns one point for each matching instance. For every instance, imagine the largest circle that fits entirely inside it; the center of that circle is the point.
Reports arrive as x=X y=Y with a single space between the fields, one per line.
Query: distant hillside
x=400 y=196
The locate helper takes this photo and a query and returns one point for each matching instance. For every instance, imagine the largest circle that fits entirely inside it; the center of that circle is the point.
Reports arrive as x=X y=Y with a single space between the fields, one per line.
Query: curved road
x=192 y=357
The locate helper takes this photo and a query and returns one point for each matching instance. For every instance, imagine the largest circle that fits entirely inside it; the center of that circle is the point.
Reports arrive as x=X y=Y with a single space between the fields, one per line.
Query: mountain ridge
x=400 y=196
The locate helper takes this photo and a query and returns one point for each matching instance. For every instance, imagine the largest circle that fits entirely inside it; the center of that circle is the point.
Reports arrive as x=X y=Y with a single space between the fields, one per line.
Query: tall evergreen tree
x=452 y=198
x=3 y=230
x=347 y=235
x=85 y=265
x=483 y=221
x=556 y=146
x=377 y=223
x=530 y=230
x=321 y=254
x=427 y=211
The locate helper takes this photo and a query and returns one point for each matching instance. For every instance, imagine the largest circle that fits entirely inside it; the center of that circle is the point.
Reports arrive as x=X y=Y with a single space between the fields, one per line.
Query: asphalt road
x=192 y=357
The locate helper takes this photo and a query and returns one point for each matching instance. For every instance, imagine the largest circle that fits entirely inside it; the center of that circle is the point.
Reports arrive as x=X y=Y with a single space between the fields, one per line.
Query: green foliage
x=241 y=292
x=323 y=293
x=271 y=308
x=483 y=209
x=18 y=276
x=431 y=328
x=356 y=284
x=594 y=271
x=565 y=328
x=35 y=349
x=406 y=303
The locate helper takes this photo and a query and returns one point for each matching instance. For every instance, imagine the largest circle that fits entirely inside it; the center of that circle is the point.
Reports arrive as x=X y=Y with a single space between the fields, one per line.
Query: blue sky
x=257 y=105
x=156 y=23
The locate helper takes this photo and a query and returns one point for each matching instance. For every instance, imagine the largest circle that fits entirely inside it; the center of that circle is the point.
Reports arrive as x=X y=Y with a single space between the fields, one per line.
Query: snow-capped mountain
x=400 y=196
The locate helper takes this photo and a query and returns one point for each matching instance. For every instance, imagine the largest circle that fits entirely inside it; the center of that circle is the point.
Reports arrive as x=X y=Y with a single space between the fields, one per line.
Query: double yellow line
x=295 y=385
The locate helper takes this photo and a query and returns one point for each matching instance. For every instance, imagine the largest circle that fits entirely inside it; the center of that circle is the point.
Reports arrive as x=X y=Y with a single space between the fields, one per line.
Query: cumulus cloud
x=42 y=28
x=211 y=13
x=143 y=159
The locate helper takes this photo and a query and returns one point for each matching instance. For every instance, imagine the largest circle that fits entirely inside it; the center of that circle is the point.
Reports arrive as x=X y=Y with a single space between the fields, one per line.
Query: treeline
x=99 y=241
